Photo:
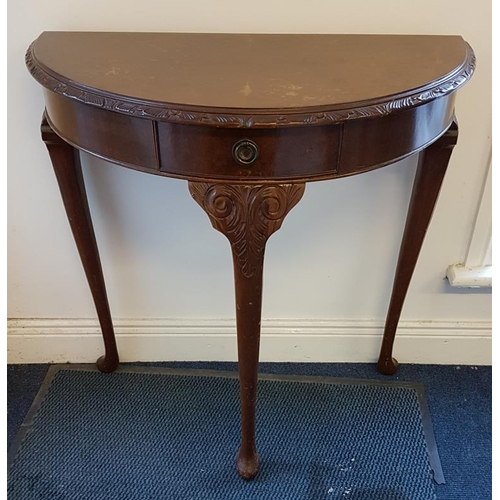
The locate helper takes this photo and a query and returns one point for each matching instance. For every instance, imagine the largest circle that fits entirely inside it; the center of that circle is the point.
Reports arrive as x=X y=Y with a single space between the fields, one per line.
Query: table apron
x=286 y=154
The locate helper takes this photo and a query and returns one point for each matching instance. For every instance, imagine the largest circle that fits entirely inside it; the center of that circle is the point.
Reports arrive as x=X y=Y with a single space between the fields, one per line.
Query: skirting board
x=293 y=340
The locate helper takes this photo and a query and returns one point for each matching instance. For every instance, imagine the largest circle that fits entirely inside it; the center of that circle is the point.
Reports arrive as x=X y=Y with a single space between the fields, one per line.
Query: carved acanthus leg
x=66 y=163
x=431 y=169
x=247 y=215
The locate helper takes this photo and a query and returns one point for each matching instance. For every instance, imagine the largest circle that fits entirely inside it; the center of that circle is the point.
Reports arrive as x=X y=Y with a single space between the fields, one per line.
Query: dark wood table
x=248 y=120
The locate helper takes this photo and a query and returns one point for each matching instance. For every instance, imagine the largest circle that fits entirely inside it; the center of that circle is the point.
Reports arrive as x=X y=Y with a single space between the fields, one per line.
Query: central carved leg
x=247 y=215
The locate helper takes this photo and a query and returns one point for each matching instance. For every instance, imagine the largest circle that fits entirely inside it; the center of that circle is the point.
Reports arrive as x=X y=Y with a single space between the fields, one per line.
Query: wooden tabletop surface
x=249 y=71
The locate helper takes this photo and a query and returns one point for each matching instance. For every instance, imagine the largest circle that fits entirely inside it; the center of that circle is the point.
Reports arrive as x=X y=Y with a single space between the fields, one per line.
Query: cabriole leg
x=66 y=163
x=247 y=215
x=431 y=169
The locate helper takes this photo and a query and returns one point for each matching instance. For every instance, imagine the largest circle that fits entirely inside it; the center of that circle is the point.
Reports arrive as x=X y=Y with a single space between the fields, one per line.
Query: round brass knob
x=245 y=152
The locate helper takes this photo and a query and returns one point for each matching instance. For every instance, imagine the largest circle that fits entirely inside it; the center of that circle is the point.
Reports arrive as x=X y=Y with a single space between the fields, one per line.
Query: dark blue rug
x=142 y=435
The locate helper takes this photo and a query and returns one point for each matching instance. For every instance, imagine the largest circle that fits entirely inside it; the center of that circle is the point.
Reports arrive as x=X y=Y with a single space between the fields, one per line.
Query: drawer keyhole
x=245 y=152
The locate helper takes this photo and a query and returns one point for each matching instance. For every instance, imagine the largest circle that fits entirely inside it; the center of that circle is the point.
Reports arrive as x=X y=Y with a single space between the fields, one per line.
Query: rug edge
x=30 y=415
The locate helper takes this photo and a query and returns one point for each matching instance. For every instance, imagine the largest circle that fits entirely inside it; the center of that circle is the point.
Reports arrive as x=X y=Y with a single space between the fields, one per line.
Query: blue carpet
x=459 y=398
x=141 y=436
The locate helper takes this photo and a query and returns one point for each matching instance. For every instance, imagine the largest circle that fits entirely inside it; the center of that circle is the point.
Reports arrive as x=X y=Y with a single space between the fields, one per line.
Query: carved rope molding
x=164 y=112
x=246 y=215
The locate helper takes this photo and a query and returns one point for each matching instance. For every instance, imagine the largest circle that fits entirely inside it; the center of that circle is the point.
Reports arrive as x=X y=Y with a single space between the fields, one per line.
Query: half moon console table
x=247 y=120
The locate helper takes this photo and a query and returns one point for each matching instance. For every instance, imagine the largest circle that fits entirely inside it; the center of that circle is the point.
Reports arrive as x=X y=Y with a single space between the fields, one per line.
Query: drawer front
x=248 y=154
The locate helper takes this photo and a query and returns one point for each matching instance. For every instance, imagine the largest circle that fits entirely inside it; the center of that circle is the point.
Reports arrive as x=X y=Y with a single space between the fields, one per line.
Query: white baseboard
x=294 y=340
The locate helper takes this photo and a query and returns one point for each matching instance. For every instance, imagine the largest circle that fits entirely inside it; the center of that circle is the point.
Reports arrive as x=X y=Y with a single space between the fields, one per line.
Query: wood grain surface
x=247 y=79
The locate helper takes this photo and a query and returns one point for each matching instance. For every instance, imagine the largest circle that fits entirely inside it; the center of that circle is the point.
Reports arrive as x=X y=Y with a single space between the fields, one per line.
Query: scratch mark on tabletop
x=246 y=90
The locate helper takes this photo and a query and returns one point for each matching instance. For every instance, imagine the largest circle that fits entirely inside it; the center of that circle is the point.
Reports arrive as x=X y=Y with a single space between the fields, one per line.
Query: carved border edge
x=163 y=112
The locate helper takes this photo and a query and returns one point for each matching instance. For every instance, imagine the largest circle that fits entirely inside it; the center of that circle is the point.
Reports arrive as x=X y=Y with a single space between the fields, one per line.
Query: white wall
x=161 y=257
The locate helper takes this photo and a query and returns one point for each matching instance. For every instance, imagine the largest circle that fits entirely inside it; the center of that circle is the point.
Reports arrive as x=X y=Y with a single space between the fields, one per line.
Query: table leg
x=431 y=169
x=247 y=216
x=66 y=163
